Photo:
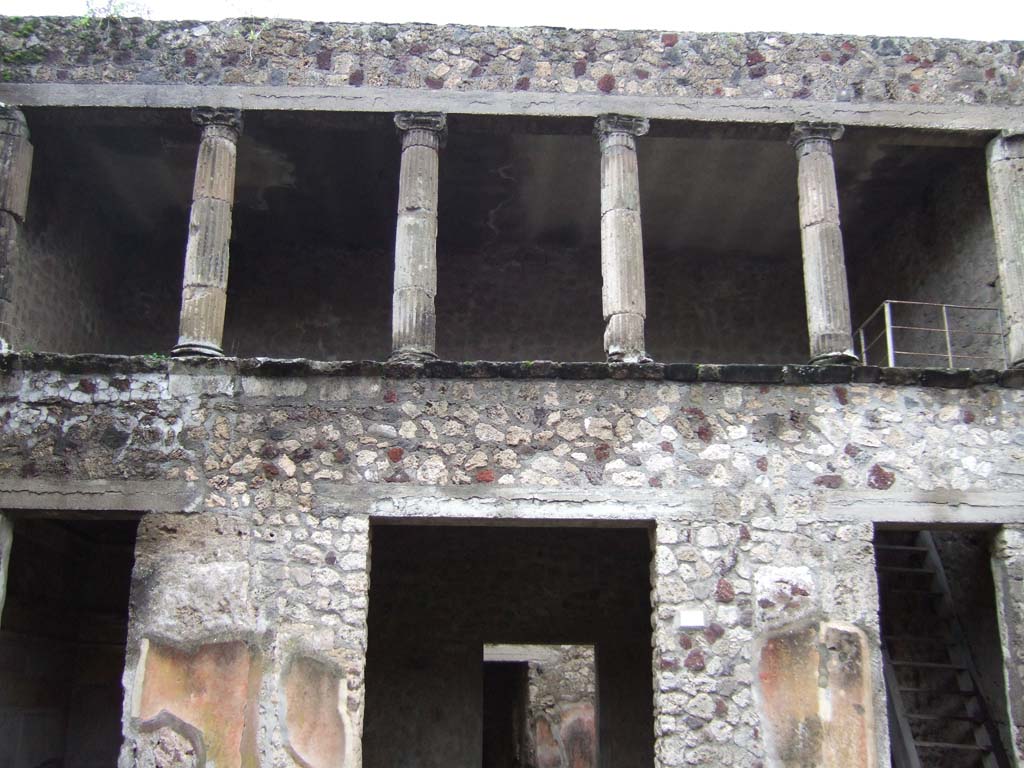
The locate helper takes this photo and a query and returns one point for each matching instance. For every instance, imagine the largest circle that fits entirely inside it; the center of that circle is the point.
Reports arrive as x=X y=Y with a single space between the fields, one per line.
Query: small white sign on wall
x=690 y=619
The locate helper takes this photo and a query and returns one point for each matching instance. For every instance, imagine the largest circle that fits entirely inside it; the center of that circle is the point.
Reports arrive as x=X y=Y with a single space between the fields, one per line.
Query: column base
x=411 y=356
x=196 y=349
x=1016 y=364
x=636 y=357
x=835 y=358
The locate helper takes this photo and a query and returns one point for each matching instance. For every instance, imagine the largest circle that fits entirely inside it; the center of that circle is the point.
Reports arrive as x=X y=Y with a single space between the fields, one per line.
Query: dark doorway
x=941 y=649
x=439 y=594
x=62 y=642
x=504 y=713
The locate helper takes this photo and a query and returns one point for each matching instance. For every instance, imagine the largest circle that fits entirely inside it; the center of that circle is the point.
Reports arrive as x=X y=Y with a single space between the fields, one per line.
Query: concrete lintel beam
x=945 y=117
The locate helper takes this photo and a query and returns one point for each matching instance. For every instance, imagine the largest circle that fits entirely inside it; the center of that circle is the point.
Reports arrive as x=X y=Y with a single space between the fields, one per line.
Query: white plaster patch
x=192 y=601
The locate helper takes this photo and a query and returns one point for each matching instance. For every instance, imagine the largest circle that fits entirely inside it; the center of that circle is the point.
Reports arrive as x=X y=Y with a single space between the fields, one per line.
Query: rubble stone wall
x=271 y=556
x=280 y=52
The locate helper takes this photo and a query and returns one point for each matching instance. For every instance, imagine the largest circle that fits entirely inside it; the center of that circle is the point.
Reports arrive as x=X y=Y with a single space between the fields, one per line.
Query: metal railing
x=935 y=333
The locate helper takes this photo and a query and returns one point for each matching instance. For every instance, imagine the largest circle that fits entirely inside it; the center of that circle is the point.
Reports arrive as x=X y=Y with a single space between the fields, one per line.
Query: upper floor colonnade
x=624 y=302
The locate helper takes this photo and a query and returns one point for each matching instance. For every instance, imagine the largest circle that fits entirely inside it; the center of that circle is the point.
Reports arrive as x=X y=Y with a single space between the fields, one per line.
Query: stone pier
x=204 y=292
x=825 y=288
x=413 y=319
x=15 y=171
x=1006 y=195
x=1008 y=574
x=622 y=252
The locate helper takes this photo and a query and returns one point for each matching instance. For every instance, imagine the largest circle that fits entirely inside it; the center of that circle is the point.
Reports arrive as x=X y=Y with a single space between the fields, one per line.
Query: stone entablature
x=274 y=52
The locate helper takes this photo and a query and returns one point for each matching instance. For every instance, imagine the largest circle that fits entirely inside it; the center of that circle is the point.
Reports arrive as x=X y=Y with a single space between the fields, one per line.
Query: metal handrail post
x=1002 y=340
x=863 y=346
x=945 y=328
x=888 y=334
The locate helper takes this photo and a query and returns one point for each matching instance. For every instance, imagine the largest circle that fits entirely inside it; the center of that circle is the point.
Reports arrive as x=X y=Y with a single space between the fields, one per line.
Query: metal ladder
x=937 y=713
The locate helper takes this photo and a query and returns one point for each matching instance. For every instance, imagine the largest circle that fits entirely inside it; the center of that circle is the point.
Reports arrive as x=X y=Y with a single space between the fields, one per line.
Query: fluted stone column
x=623 y=294
x=15 y=172
x=825 y=288
x=1006 y=196
x=204 y=292
x=413 y=319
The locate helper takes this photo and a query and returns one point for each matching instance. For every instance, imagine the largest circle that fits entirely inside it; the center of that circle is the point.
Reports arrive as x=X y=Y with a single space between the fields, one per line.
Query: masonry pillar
x=623 y=294
x=1008 y=575
x=204 y=292
x=15 y=171
x=413 y=319
x=1006 y=196
x=6 y=539
x=825 y=289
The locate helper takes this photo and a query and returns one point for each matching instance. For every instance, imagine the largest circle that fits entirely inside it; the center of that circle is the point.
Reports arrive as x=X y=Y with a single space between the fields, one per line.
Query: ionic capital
x=219 y=120
x=423 y=121
x=608 y=125
x=412 y=125
x=804 y=132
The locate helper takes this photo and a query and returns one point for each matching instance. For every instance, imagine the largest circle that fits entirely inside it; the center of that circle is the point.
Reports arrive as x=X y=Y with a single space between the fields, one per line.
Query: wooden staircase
x=937 y=713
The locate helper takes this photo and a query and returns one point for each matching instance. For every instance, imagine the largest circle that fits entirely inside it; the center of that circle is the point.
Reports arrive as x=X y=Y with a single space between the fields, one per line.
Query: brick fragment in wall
x=315 y=730
x=813 y=690
x=209 y=692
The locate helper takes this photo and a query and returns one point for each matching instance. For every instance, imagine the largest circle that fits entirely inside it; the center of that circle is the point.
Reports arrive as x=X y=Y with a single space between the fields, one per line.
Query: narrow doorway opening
x=62 y=642
x=505 y=696
x=941 y=649
x=540 y=706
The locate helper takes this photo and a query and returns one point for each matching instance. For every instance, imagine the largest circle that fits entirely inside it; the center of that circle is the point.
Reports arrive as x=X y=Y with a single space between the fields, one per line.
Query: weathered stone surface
x=211 y=689
x=15 y=162
x=315 y=730
x=814 y=696
x=1006 y=195
x=191 y=600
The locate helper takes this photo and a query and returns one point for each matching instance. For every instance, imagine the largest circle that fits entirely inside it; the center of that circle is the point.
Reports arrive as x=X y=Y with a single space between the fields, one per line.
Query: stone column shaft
x=825 y=287
x=623 y=295
x=6 y=540
x=15 y=173
x=204 y=289
x=413 y=320
x=1006 y=197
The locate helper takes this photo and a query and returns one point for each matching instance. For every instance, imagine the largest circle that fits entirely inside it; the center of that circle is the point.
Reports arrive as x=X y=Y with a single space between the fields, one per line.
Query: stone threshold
x=727 y=373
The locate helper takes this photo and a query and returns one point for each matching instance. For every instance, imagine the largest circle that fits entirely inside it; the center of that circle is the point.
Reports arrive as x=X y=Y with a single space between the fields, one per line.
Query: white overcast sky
x=986 y=20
